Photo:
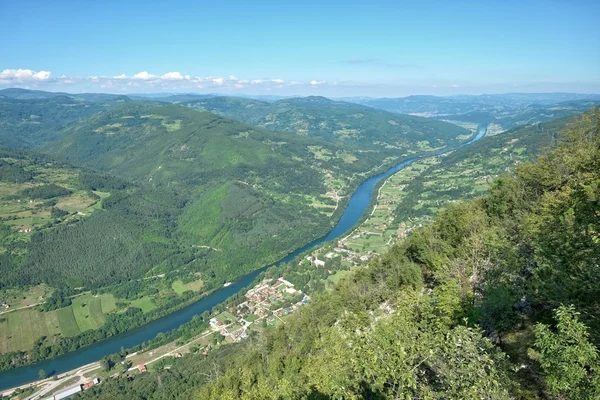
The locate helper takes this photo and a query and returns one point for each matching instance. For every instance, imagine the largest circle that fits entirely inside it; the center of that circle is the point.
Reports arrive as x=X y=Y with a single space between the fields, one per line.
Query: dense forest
x=498 y=298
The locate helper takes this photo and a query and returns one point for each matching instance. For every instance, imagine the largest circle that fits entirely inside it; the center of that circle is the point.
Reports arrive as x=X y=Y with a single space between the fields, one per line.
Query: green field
x=224 y=316
x=179 y=287
x=145 y=304
x=335 y=278
x=68 y=324
x=20 y=329
x=87 y=310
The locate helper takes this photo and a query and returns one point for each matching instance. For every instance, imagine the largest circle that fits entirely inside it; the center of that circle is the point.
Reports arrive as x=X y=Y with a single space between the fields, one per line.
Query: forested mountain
x=335 y=120
x=34 y=118
x=498 y=298
x=200 y=182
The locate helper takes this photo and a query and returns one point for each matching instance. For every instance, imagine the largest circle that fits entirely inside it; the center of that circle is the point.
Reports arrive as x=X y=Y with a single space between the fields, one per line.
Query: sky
x=305 y=47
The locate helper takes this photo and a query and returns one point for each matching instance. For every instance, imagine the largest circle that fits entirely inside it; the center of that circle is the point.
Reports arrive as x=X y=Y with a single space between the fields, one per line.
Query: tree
x=42 y=374
x=568 y=359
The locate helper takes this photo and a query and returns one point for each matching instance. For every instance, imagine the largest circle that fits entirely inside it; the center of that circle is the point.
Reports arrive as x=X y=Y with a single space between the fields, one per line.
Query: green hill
x=468 y=172
x=28 y=122
x=349 y=123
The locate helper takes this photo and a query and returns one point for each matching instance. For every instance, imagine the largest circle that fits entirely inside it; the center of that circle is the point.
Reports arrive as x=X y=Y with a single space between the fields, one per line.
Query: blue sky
x=333 y=48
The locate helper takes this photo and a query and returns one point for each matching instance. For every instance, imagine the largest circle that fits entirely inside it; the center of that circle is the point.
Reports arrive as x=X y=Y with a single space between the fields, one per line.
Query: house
x=142 y=368
x=90 y=384
x=318 y=263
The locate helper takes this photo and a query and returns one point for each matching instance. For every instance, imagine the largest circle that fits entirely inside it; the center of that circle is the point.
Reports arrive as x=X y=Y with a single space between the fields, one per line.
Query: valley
x=403 y=199
x=199 y=197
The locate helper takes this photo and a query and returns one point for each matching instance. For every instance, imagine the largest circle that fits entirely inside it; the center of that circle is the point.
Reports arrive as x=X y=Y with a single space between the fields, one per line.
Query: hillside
x=496 y=299
x=249 y=193
x=468 y=172
x=331 y=120
x=34 y=118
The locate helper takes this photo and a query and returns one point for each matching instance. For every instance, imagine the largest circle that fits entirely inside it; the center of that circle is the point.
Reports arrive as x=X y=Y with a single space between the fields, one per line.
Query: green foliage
x=14 y=173
x=59 y=298
x=44 y=192
x=568 y=359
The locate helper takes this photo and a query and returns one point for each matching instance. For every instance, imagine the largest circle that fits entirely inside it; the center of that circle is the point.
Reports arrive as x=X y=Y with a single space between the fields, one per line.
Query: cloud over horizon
x=24 y=75
x=176 y=81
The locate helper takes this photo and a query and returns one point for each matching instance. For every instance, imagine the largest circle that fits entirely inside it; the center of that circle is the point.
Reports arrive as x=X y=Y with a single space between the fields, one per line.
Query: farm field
x=381 y=228
x=339 y=275
x=19 y=330
x=24 y=210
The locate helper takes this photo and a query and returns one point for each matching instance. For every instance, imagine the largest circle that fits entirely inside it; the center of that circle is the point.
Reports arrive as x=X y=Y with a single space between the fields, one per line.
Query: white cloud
x=173 y=76
x=168 y=81
x=23 y=75
x=144 y=76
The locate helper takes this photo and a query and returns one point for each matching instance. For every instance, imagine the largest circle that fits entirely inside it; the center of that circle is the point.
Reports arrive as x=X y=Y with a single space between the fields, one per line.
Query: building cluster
x=3 y=304
x=70 y=391
x=261 y=301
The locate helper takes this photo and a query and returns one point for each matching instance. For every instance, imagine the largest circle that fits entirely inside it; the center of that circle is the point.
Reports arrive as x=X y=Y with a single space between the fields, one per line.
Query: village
x=264 y=304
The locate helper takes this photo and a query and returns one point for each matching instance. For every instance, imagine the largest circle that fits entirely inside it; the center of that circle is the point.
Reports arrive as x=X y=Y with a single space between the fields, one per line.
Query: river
x=356 y=207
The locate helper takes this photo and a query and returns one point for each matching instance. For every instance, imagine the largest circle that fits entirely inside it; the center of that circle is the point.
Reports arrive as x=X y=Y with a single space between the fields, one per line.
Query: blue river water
x=356 y=207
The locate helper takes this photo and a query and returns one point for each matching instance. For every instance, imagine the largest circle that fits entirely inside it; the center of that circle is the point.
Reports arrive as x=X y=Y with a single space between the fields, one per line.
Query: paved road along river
x=357 y=205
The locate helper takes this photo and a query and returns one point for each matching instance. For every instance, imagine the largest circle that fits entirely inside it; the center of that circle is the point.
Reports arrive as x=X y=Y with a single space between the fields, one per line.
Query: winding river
x=356 y=207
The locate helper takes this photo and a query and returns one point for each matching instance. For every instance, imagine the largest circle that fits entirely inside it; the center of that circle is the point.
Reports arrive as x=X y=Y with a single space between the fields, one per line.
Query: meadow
x=20 y=329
